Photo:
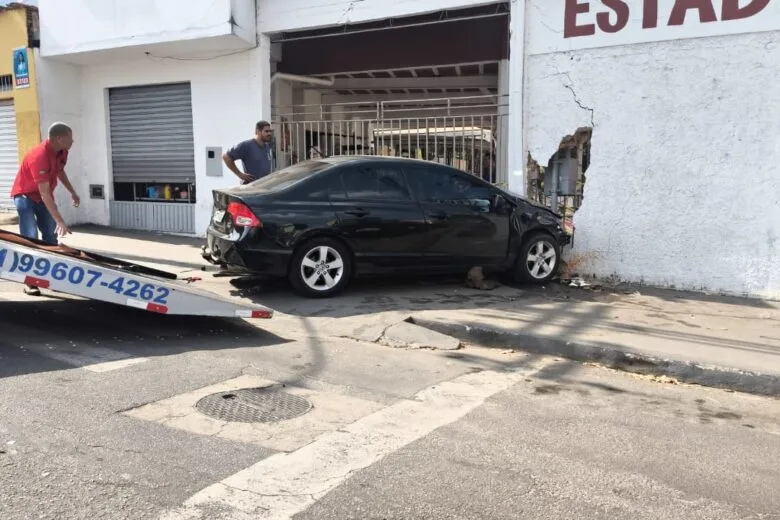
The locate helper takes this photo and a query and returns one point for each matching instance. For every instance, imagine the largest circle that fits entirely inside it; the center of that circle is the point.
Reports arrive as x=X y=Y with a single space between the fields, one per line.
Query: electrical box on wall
x=96 y=191
x=214 y=161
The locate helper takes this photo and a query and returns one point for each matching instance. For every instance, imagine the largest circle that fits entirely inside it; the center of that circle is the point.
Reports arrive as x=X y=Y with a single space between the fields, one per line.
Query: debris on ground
x=578 y=282
x=475 y=279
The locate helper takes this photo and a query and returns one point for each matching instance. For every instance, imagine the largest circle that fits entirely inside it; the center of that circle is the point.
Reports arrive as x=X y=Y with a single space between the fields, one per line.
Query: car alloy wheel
x=322 y=268
x=541 y=259
x=538 y=258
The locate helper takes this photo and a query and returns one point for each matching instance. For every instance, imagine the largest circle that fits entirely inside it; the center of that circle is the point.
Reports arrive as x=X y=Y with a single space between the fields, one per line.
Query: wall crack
x=570 y=88
x=582 y=105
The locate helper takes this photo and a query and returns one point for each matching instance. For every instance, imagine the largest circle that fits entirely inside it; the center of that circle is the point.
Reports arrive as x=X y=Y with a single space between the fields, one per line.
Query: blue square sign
x=21 y=68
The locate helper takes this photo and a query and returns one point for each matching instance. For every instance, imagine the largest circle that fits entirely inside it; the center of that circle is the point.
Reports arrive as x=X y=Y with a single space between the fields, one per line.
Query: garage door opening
x=152 y=158
x=425 y=87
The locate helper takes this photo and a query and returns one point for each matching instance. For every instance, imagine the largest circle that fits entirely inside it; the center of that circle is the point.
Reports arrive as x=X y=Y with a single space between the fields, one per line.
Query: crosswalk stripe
x=283 y=485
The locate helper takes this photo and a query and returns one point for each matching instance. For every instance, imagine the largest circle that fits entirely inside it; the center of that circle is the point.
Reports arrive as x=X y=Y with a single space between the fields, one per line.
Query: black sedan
x=322 y=222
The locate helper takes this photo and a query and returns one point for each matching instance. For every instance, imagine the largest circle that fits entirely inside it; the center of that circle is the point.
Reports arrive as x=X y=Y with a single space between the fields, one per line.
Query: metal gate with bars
x=464 y=132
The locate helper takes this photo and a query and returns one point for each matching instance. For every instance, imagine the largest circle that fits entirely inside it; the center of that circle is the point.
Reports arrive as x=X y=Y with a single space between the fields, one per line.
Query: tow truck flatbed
x=98 y=277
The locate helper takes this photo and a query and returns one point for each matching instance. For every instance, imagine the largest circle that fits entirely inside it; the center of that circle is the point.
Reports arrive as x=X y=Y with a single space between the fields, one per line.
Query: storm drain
x=252 y=405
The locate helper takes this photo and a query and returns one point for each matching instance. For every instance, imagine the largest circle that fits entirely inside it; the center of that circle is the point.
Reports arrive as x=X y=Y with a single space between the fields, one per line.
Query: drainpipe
x=303 y=79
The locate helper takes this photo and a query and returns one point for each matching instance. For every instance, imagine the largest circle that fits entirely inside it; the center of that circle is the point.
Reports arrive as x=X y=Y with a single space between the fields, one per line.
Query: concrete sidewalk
x=716 y=341
x=723 y=342
x=9 y=219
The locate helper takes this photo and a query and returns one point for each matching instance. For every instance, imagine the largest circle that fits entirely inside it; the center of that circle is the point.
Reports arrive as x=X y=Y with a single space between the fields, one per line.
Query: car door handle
x=357 y=212
x=438 y=215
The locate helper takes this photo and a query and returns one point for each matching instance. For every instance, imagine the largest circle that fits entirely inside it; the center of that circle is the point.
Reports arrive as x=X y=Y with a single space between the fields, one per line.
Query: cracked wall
x=683 y=186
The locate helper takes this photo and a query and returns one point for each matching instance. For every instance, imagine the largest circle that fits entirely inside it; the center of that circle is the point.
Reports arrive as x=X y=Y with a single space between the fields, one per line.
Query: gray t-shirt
x=257 y=158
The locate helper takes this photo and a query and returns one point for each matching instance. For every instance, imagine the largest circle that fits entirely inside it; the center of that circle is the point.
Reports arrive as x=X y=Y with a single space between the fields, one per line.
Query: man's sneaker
x=31 y=291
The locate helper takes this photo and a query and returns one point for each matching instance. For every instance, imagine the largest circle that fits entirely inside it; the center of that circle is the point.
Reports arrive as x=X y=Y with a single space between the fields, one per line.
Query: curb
x=624 y=359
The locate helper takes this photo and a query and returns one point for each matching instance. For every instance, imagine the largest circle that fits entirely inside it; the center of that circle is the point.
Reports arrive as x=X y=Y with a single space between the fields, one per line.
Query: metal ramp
x=97 y=277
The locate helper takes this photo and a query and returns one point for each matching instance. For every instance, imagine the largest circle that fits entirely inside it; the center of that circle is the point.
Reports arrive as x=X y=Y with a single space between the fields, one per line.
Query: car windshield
x=286 y=177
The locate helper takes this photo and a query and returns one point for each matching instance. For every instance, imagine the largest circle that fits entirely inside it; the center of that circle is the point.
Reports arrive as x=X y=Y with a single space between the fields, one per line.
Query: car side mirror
x=500 y=204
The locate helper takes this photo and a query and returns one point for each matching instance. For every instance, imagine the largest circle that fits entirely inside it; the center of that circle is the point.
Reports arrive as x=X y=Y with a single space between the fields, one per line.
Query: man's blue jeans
x=34 y=216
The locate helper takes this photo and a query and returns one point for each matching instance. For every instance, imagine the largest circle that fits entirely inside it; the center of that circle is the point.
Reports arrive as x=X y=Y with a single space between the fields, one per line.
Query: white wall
x=76 y=26
x=682 y=189
x=59 y=93
x=227 y=102
x=586 y=24
x=293 y=15
x=516 y=111
x=282 y=98
x=310 y=108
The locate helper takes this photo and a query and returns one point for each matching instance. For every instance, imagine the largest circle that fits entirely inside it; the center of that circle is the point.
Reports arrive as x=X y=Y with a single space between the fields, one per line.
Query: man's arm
x=40 y=172
x=48 y=201
x=66 y=182
x=230 y=157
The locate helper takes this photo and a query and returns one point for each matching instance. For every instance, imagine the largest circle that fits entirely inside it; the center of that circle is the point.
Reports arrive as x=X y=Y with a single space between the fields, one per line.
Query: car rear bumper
x=228 y=251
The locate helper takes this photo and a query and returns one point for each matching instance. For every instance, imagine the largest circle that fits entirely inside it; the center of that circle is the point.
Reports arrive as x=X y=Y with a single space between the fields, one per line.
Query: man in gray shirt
x=255 y=154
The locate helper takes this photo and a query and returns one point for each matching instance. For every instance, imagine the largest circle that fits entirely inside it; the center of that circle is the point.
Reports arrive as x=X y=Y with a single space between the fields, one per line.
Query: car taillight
x=242 y=215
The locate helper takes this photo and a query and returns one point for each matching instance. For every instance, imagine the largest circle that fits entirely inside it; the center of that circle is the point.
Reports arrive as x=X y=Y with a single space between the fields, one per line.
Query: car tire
x=321 y=268
x=538 y=260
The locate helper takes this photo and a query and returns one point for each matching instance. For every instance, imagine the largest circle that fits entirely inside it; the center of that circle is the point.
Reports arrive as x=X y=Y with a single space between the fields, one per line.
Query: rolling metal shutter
x=151 y=133
x=9 y=153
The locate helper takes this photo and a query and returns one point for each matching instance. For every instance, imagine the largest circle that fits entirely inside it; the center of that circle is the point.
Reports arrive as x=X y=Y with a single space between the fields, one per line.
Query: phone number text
x=75 y=275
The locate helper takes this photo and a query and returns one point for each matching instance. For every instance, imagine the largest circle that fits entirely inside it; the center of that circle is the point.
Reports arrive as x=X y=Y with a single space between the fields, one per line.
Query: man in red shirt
x=33 y=190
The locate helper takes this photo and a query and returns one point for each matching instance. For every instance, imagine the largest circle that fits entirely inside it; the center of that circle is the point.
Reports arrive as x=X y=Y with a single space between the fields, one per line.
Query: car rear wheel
x=321 y=268
x=538 y=259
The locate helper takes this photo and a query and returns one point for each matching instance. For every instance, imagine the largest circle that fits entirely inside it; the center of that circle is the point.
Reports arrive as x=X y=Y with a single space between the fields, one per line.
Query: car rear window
x=287 y=177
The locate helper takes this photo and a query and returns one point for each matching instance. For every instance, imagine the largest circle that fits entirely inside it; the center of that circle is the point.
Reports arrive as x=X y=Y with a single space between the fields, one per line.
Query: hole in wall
x=573 y=160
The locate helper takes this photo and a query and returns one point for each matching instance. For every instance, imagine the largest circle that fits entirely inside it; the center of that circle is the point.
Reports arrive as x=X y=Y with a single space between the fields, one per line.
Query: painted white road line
x=94 y=359
x=110 y=366
x=285 y=484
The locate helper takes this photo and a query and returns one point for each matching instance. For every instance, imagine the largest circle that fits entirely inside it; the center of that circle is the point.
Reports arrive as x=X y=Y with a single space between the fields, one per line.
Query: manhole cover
x=250 y=405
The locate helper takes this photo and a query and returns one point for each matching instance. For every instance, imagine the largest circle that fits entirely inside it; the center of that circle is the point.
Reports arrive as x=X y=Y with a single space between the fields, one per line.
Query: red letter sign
x=732 y=11
x=650 y=14
x=681 y=7
x=570 y=27
x=622 y=12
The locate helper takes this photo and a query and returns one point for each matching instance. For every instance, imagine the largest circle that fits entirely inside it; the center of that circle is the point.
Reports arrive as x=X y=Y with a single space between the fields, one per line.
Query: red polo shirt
x=40 y=164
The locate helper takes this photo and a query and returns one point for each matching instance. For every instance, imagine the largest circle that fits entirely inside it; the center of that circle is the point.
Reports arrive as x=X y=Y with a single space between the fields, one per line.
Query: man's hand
x=231 y=164
x=76 y=200
x=62 y=229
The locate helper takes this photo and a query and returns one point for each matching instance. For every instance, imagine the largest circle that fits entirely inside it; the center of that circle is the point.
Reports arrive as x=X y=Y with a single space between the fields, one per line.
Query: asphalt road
x=581 y=442
x=557 y=440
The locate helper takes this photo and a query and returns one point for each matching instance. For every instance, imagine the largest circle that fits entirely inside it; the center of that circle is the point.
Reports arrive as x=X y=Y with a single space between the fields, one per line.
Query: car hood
x=522 y=201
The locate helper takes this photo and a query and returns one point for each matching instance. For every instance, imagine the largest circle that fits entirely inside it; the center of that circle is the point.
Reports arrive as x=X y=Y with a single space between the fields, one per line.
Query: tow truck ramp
x=97 y=277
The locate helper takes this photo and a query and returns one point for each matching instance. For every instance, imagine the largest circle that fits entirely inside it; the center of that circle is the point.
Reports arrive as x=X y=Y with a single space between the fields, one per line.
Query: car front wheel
x=538 y=259
x=321 y=268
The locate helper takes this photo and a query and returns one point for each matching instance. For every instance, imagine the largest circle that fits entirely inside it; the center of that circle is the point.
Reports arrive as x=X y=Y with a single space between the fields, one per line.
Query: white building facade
x=679 y=98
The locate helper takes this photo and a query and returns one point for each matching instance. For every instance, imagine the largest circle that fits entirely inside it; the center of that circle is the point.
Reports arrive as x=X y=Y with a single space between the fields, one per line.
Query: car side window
x=444 y=186
x=375 y=183
x=320 y=187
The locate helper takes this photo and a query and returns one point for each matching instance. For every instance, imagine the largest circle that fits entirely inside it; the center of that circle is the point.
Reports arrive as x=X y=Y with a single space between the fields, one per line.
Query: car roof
x=340 y=159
